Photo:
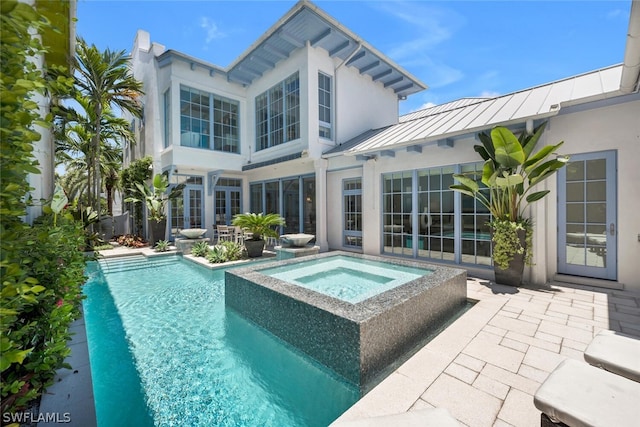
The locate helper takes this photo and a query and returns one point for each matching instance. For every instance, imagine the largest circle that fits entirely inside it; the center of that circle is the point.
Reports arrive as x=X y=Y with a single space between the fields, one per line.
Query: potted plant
x=156 y=199
x=258 y=225
x=511 y=170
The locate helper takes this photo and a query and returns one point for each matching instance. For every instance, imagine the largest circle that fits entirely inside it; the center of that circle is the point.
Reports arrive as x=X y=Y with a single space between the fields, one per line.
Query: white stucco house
x=305 y=123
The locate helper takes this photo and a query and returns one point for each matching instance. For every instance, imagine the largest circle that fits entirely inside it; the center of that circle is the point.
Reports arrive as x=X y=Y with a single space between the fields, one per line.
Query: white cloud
x=431 y=26
x=489 y=94
x=211 y=30
x=426 y=105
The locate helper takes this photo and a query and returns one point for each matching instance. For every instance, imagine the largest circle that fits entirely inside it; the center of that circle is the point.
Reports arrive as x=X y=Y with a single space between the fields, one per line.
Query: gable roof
x=306 y=23
x=470 y=115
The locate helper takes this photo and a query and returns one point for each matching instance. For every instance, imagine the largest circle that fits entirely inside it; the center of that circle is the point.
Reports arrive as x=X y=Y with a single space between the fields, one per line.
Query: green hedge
x=41 y=267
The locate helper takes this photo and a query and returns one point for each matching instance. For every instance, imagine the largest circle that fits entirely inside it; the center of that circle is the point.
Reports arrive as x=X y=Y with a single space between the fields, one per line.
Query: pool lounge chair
x=617 y=353
x=577 y=394
x=605 y=392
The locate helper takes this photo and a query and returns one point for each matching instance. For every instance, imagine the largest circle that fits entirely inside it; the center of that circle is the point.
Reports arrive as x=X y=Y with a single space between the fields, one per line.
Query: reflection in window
x=278 y=114
x=203 y=116
x=352 y=212
x=324 y=105
x=442 y=231
x=397 y=230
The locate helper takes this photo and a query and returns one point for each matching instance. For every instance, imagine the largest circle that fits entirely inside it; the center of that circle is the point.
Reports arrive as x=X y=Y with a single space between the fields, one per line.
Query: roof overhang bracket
x=368 y=67
x=357 y=56
x=365 y=157
x=212 y=180
x=414 y=149
x=317 y=39
x=290 y=38
x=445 y=143
x=382 y=74
x=339 y=48
x=387 y=153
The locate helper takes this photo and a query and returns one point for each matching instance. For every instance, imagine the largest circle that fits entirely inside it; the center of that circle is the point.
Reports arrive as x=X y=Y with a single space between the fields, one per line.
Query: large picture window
x=424 y=218
x=278 y=114
x=208 y=121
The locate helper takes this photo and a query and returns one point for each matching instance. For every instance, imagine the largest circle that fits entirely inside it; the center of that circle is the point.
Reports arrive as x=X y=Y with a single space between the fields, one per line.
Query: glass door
x=186 y=211
x=587 y=201
x=227 y=205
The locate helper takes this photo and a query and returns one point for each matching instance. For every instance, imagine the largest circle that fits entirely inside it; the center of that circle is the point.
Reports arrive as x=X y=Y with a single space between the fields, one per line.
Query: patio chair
x=225 y=233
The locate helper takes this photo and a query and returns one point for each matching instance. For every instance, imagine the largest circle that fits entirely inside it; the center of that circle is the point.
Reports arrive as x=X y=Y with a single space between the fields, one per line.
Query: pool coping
x=70 y=397
x=360 y=311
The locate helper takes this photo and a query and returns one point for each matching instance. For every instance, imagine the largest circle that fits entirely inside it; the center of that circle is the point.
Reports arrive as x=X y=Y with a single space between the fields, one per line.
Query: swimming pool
x=165 y=351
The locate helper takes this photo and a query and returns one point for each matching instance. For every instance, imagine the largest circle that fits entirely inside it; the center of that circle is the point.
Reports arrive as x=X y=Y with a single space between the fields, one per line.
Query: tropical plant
x=259 y=224
x=233 y=250
x=200 y=249
x=162 y=246
x=139 y=170
x=105 y=81
x=217 y=255
x=506 y=186
x=156 y=197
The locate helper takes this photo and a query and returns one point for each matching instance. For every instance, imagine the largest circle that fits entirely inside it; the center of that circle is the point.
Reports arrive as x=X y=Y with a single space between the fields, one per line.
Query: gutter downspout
x=630 y=80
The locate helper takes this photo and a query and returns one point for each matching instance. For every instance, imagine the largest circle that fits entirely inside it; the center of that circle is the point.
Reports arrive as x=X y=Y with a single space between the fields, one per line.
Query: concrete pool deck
x=486 y=366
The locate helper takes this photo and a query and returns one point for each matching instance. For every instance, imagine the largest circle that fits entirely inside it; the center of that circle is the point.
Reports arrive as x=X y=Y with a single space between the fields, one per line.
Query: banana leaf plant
x=512 y=168
x=156 y=197
x=510 y=172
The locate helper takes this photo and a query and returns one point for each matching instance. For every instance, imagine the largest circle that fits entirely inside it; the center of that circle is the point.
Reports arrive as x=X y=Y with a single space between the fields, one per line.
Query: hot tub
x=355 y=314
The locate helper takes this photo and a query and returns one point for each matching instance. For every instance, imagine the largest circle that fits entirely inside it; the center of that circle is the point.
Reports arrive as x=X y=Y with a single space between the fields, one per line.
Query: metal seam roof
x=470 y=115
x=306 y=24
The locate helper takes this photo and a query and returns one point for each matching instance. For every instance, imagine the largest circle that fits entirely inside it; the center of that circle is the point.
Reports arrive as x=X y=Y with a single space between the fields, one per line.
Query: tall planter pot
x=254 y=248
x=512 y=276
x=157 y=230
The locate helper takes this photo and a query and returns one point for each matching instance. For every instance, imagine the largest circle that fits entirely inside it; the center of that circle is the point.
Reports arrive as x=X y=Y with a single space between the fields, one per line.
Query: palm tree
x=74 y=149
x=105 y=80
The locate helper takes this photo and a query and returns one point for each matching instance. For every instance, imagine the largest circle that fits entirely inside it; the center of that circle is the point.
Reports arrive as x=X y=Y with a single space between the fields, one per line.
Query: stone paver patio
x=486 y=366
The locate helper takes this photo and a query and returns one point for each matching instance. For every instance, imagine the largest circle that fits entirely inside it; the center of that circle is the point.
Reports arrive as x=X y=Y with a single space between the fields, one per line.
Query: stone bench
x=579 y=395
x=615 y=352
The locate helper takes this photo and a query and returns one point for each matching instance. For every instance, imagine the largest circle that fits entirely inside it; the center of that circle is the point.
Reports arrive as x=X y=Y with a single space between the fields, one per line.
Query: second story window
x=324 y=106
x=208 y=121
x=278 y=114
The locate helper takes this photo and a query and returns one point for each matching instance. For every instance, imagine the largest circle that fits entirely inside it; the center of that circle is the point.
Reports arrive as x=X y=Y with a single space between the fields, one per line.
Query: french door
x=587 y=202
x=187 y=211
x=227 y=205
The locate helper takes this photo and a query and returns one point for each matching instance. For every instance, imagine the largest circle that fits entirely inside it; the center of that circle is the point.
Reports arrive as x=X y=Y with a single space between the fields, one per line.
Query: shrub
x=35 y=326
x=162 y=246
x=131 y=241
x=233 y=250
x=217 y=255
x=200 y=249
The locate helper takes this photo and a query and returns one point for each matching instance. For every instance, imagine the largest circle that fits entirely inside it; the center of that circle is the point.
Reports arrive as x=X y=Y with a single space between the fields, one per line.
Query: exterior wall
x=613 y=127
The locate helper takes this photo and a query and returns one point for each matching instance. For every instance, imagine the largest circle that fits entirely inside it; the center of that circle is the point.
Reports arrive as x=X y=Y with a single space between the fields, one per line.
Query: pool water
x=165 y=351
x=346 y=278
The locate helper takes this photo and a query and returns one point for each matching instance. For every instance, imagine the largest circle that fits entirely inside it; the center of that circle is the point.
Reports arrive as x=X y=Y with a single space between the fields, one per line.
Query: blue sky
x=458 y=48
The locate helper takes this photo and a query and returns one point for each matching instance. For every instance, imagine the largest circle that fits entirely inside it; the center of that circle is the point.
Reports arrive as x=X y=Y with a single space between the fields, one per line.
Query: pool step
x=135 y=262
